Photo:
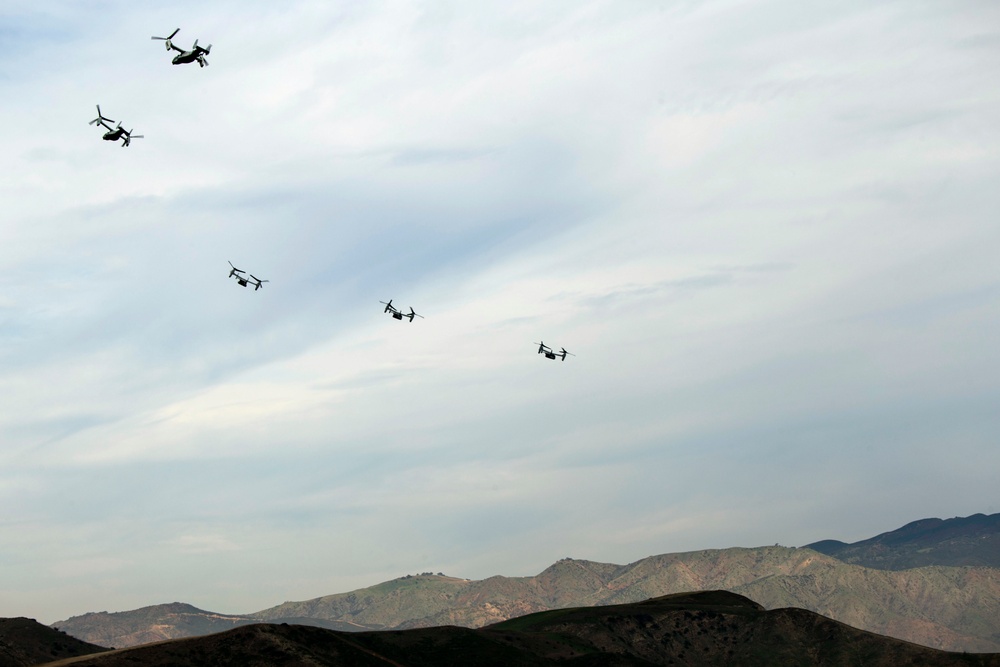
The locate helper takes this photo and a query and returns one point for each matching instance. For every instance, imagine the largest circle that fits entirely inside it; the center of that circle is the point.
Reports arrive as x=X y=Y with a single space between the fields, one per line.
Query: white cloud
x=764 y=229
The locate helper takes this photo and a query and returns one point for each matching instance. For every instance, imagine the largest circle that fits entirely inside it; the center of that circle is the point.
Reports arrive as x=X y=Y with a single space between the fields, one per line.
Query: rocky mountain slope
x=708 y=628
x=962 y=541
x=948 y=608
x=956 y=609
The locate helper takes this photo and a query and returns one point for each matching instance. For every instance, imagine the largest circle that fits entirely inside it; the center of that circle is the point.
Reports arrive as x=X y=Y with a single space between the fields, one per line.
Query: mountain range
x=962 y=541
x=705 y=628
x=946 y=607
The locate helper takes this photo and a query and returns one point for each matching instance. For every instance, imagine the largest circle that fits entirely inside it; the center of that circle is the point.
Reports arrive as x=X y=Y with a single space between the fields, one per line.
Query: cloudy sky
x=767 y=229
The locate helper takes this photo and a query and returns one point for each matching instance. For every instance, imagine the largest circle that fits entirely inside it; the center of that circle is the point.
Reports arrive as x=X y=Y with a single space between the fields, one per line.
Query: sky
x=767 y=230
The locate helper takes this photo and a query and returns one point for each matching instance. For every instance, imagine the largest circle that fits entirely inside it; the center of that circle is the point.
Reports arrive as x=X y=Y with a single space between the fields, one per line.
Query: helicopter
x=196 y=53
x=549 y=354
x=258 y=283
x=117 y=132
x=398 y=314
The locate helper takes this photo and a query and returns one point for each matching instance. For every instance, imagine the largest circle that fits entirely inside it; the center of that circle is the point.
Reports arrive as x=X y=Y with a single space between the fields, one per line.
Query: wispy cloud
x=764 y=229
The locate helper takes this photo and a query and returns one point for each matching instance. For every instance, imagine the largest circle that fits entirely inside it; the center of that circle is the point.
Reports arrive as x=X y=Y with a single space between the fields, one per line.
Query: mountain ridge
x=947 y=608
x=690 y=628
x=958 y=542
x=936 y=605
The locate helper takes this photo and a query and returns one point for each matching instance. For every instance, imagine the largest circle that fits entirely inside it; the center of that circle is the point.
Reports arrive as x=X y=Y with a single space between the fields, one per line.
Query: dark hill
x=25 y=641
x=958 y=542
x=708 y=628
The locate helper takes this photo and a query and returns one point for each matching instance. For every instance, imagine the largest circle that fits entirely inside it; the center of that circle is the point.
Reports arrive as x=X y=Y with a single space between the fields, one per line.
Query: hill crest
x=25 y=641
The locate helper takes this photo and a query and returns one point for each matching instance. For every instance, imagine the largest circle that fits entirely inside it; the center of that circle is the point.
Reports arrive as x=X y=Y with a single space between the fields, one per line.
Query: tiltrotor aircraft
x=389 y=308
x=549 y=354
x=117 y=132
x=258 y=283
x=196 y=53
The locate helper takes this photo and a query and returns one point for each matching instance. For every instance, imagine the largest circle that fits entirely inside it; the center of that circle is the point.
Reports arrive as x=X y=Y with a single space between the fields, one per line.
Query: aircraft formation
x=197 y=54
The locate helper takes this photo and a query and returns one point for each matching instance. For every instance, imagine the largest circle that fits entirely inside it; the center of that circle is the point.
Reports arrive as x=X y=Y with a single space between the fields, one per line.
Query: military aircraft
x=196 y=53
x=389 y=308
x=117 y=132
x=549 y=354
x=258 y=283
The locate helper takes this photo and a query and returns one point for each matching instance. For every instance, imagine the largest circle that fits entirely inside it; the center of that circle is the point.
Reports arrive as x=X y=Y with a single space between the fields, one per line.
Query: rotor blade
x=100 y=117
x=171 y=35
